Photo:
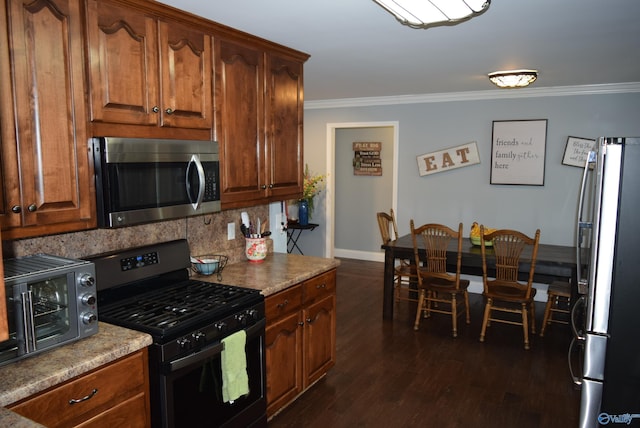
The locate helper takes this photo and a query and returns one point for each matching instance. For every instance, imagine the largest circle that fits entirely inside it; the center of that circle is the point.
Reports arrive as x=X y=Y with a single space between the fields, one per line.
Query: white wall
x=465 y=194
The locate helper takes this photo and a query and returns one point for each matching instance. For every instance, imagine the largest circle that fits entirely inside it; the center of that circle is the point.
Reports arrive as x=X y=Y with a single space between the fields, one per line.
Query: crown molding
x=495 y=94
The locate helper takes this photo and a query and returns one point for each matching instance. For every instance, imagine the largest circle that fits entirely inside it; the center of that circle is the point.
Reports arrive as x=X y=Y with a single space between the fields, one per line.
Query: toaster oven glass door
x=41 y=314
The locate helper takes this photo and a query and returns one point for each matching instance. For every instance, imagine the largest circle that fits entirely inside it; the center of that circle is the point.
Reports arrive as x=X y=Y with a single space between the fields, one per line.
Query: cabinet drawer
x=319 y=286
x=131 y=413
x=111 y=384
x=284 y=302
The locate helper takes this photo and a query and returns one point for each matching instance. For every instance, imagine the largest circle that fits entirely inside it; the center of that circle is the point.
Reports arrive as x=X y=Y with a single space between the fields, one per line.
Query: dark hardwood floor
x=388 y=375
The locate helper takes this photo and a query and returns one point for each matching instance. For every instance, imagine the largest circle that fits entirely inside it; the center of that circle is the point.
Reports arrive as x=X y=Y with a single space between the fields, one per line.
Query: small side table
x=294 y=230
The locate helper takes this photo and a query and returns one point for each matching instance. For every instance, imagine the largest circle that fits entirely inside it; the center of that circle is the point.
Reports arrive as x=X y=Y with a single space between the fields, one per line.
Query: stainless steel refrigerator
x=606 y=317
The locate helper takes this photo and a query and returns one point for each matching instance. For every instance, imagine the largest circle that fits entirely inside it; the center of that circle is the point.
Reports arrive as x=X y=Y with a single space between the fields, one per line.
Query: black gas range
x=149 y=289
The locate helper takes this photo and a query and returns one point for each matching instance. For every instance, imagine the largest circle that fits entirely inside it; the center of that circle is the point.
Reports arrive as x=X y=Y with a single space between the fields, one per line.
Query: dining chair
x=558 y=302
x=404 y=272
x=504 y=293
x=439 y=291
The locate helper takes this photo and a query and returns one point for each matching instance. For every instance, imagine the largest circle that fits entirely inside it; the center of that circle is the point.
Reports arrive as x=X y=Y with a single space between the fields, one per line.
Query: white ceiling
x=359 y=50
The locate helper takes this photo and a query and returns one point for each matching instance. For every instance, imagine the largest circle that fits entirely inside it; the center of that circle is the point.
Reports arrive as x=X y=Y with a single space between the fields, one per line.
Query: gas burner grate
x=178 y=306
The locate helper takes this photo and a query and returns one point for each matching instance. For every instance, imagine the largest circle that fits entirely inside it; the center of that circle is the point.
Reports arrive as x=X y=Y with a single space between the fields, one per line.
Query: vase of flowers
x=312 y=185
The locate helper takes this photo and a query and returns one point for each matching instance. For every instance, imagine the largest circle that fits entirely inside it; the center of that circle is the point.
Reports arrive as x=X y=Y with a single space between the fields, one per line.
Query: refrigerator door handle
x=577 y=380
x=581 y=225
x=580 y=303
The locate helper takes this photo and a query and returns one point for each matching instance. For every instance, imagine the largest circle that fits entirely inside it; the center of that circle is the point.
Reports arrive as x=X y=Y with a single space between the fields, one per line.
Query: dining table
x=553 y=262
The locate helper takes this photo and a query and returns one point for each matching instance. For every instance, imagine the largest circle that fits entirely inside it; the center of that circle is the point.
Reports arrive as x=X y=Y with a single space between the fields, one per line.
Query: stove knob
x=253 y=314
x=87 y=280
x=88 y=299
x=242 y=319
x=221 y=326
x=183 y=342
x=88 y=318
x=199 y=336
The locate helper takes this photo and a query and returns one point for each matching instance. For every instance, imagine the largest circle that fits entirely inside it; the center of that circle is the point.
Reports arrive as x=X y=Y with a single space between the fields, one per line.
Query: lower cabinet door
x=320 y=338
x=284 y=361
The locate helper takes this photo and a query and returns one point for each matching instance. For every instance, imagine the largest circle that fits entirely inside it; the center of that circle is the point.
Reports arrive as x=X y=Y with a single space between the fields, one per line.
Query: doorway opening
x=352 y=201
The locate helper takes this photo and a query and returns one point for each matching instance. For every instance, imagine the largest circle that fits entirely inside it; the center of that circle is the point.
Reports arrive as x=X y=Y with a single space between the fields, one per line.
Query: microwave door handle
x=195 y=160
x=28 y=322
x=581 y=225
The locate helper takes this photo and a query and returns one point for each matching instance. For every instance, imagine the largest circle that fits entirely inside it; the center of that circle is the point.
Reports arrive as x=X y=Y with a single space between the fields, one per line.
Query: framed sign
x=366 y=158
x=451 y=158
x=518 y=152
x=575 y=154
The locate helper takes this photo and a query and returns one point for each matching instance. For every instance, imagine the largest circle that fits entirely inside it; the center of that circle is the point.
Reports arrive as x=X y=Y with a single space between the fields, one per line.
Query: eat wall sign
x=447 y=159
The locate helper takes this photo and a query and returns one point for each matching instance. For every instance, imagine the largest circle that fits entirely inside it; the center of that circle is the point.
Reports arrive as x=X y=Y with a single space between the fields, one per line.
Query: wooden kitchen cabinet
x=148 y=70
x=115 y=395
x=47 y=175
x=300 y=338
x=259 y=103
x=4 y=323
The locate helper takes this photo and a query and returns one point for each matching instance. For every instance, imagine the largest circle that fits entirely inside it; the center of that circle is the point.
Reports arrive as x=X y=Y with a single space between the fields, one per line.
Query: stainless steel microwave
x=141 y=180
x=51 y=301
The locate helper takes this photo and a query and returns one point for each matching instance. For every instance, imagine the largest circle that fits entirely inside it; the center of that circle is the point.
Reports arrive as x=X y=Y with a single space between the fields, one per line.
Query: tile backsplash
x=206 y=235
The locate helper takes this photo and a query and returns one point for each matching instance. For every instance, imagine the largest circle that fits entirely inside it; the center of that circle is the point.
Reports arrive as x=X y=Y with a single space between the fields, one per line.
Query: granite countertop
x=276 y=273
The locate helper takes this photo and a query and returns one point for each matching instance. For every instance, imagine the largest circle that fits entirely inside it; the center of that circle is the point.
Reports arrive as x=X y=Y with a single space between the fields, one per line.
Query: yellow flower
x=312 y=186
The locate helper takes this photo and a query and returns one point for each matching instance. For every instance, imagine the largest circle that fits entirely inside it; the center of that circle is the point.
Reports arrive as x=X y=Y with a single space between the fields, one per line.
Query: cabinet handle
x=155 y=109
x=300 y=323
x=323 y=285
x=80 y=400
x=309 y=321
x=271 y=186
x=32 y=208
x=169 y=111
x=16 y=209
x=264 y=186
x=283 y=304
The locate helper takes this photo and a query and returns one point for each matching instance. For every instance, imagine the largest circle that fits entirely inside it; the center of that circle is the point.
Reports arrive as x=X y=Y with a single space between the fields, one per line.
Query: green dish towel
x=235 y=381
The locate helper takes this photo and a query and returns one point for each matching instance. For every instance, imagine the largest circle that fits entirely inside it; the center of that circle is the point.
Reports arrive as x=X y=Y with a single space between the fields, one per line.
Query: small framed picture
x=577 y=150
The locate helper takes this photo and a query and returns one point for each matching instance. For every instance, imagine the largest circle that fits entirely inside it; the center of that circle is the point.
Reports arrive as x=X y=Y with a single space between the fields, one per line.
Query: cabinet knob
x=283 y=304
x=169 y=110
x=32 y=208
x=264 y=186
x=270 y=186
x=155 y=109
x=16 y=209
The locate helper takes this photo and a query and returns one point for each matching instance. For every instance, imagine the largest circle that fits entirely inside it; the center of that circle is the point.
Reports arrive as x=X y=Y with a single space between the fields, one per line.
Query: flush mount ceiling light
x=513 y=78
x=423 y=13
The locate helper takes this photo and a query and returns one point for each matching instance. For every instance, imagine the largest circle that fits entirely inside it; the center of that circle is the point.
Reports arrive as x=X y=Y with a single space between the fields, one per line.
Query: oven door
x=190 y=389
x=42 y=314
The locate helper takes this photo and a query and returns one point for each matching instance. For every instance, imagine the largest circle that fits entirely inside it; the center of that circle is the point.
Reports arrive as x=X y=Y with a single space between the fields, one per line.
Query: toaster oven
x=51 y=301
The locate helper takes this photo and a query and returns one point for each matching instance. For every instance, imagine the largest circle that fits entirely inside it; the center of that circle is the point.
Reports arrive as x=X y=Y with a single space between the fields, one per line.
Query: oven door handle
x=212 y=350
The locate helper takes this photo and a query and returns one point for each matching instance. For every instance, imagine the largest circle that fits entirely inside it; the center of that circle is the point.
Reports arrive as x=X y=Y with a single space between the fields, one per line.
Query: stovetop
x=175 y=309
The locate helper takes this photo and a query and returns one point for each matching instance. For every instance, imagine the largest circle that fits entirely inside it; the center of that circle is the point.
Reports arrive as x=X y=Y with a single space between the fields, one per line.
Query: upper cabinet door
x=123 y=60
x=285 y=113
x=186 y=69
x=47 y=174
x=146 y=71
x=240 y=126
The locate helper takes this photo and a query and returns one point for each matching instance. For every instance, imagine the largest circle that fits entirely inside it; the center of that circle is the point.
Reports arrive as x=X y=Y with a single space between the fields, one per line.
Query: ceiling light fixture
x=513 y=78
x=423 y=13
